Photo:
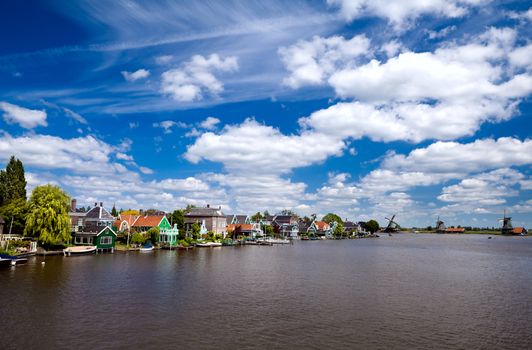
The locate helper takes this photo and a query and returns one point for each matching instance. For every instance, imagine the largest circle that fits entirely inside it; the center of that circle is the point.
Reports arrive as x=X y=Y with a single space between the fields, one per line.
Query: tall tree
x=256 y=217
x=12 y=181
x=48 y=215
x=177 y=217
x=114 y=212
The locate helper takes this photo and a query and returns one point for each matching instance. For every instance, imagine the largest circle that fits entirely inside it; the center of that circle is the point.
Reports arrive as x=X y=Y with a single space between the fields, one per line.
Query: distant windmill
x=506 y=225
x=392 y=225
x=440 y=226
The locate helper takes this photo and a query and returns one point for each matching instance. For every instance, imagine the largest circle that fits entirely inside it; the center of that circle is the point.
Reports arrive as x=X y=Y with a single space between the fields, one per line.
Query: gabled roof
x=241 y=227
x=282 y=219
x=107 y=228
x=99 y=213
x=148 y=221
x=350 y=224
x=322 y=225
x=204 y=212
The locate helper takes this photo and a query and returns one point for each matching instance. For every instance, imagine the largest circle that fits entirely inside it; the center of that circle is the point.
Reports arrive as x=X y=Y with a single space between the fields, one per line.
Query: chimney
x=101 y=204
x=208 y=205
x=73 y=205
x=95 y=204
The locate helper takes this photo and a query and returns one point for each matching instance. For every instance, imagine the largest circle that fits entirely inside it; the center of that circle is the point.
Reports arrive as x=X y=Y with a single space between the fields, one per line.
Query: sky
x=364 y=108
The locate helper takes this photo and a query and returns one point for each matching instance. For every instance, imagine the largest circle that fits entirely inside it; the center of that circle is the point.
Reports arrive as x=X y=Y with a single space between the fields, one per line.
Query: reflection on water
x=406 y=291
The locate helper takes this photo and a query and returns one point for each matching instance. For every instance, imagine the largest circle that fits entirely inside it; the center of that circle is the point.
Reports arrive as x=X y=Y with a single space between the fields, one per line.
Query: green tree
x=153 y=234
x=47 y=218
x=329 y=218
x=196 y=228
x=12 y=182
x=114 y=212
x=178 y=218
x=371 y=226
x=138 y=238
x=268 y=230
x=15 y=212
x=339 y=230
x=256 y=217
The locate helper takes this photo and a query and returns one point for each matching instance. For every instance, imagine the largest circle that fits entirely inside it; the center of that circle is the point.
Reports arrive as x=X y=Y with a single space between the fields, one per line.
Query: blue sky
x=362 y=108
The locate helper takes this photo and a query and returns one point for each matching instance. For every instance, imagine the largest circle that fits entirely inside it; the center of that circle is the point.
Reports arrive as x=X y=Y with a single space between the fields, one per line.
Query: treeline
x=44 y=216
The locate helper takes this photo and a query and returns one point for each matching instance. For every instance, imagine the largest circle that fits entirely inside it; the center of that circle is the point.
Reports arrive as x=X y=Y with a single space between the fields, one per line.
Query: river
x=408 y=291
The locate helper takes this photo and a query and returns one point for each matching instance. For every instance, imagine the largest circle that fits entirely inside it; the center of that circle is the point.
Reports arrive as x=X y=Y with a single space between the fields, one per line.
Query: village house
x=125 y=222
x=320 y=228
x=93 y=227
x=144 y=223
x=286 y=225
x=209 y=219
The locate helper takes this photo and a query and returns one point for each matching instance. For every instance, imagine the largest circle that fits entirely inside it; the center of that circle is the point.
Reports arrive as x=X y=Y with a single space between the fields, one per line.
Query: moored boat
x=148 y=247
x=209 y=244
x=79 y=250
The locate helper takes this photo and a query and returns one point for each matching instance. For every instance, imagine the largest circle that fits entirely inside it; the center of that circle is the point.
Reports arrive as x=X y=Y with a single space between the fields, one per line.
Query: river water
x=403 y=292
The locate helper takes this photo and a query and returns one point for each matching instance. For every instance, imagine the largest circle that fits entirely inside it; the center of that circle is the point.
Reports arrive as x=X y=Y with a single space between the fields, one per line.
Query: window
x=77 y=240
x=106 y=240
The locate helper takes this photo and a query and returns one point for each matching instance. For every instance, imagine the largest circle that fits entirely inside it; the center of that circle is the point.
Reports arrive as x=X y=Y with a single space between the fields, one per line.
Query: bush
x=153 y=234
x=138 y=238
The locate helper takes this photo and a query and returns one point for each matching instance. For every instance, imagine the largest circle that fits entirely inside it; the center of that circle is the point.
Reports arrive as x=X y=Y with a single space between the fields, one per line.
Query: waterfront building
x=519 y=231
x=144 y=223
x=286 y=225
x=454 y=230
x=169 y=237
x=320 y=228
x=251 y=230
x=125 y=222
x=210 y=219
x=93 y=227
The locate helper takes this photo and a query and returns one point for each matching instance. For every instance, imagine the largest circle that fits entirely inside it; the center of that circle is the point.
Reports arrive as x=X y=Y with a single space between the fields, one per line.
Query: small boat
x=79 y=250
x=305 y=238
x=148 y=247
x=10 y=260
x=209 y=244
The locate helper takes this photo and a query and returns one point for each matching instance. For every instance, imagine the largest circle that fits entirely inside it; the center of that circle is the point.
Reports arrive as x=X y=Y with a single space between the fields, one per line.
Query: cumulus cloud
x=401 y=13
x=136 y=75
x=210 y=123
x=312 y=62
x=254 y=147
x=196 y=76
x=26 y=118
x=486 y=189
x=457 y=87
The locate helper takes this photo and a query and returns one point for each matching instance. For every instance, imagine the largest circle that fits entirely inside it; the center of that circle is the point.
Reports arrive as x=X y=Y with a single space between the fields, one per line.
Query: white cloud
x=442 y=33
x=486 y=189
x=457 y=88
x=312 y=62
x=196 y=76
x=458 y=158
x=165 y=59
x=210 y=123
x=522 y=57
x=253 y=147
x=76 y=116
x=26 y=118
x=85 y=155
x=145 y=170
x=136 y=75
x=401 y=13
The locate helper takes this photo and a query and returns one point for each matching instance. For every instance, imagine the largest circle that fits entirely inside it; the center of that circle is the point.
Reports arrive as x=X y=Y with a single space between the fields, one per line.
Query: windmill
x=440 y=226
x=506 y=225
x=392 y=225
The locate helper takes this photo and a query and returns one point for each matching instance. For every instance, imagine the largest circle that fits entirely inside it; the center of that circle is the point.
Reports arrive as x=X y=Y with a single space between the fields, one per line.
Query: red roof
x=241 y=227
x=518 y=230
x=322 y=225
x=453 y=229
x=148 y=221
